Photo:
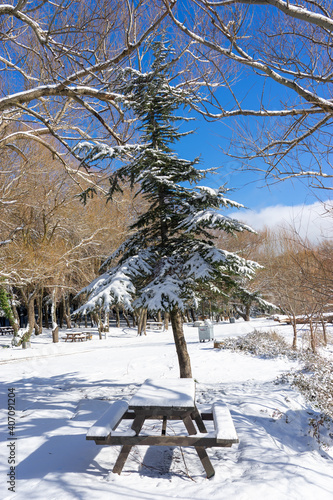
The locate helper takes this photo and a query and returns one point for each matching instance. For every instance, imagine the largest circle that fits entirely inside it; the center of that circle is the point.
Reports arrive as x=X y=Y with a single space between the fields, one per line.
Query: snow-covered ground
x=61 y=389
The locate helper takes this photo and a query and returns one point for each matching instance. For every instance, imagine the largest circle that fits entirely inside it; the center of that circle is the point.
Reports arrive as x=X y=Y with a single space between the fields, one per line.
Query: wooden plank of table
x=223 y=423
x=208 y=441
x=109 y=421
x=167 y=394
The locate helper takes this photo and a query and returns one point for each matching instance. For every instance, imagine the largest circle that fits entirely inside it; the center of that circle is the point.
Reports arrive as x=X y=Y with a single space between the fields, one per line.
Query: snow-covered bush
x=314 y=380
x=265 y=344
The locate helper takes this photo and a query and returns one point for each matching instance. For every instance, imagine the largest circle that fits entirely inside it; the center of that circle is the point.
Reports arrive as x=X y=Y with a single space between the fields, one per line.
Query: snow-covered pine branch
x=115 y=286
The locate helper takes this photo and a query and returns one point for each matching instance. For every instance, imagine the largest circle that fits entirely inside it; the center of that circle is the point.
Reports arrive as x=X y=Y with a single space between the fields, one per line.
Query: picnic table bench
x=4 y=330
x=164 y=400
x=78 y=336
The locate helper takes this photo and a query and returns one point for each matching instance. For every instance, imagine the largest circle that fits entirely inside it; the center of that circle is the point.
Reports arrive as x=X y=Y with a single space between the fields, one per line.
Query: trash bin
x=206 y=332
x=232 y=320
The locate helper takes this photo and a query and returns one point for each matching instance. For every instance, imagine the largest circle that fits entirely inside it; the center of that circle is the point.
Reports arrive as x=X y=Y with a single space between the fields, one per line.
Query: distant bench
x=5 y=330
x=104 y=431
x=78 y=336
x=154 y=325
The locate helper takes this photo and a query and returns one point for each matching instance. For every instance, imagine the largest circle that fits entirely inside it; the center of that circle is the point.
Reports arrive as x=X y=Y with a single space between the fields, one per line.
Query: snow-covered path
x=61 y=389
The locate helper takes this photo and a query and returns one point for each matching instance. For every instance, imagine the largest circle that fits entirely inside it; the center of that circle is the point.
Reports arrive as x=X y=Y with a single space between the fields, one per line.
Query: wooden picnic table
x=77 y=336
x=154 y=325
x=4 y=330
x=170 y=399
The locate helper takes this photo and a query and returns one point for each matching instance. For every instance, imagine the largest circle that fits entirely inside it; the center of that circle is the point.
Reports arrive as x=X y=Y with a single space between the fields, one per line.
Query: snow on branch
x=163 y=293
x=296 y=11
x=115 y=286
x=11 y=10
x=230 y=260
x=60 y=89
x=108 y=290
x=239 y=55
x=97 y=150
x=212 y=219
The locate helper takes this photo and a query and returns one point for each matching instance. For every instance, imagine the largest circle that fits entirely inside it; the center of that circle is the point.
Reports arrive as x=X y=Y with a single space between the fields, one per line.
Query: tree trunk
x=166 y=321
x=142 y=323
x=16 y=322
x=193 y=315
x=55 y=328
x=61 y=314
x=100 y=324
x=247 y=312
x=46 y=316
x=39 y=322
x=245 y=315
x=294 y=346
x=323 y=325
x=312 y=337
x=66 y=311
x=180 y=342
x=29 y=302
x=106 y=325
x=126 y=319
x=94 y=319
x=31 y=318
x=203 y=310
x=117 y=317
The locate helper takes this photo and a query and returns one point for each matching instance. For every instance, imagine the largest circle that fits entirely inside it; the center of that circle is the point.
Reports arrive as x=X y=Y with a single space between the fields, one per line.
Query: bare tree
x=283 y=48
x=58 y=64
x=59 y=243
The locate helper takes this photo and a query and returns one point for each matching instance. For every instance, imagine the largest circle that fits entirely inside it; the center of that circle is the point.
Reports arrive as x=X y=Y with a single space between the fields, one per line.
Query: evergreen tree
x=171 y=254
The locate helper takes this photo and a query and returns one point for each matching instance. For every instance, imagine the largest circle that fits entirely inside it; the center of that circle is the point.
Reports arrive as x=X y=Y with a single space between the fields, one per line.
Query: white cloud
x=312 y=221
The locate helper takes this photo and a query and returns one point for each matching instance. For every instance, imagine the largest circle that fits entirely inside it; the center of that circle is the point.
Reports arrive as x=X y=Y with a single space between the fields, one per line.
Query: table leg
x=197 y=417
x=189 y=425
x=164 y=426
x=204 y=458
x=124 y=452
x=126 y=448
x=205 y=461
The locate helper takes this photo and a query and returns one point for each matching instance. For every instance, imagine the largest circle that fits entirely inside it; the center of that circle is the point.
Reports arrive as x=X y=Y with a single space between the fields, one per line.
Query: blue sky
x=285 y=203
x=208 y=142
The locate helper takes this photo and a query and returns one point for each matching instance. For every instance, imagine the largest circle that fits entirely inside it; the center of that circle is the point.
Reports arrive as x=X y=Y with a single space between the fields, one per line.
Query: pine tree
x=171 y=254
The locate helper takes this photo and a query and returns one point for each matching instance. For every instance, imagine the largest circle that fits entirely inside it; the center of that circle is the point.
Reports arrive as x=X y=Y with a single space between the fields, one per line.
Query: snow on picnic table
x=165 y=393
x=62 y=389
